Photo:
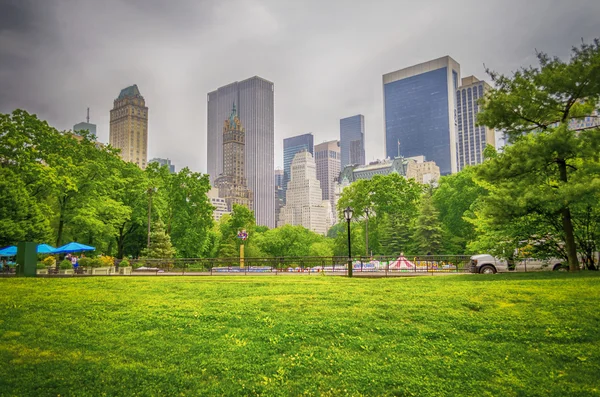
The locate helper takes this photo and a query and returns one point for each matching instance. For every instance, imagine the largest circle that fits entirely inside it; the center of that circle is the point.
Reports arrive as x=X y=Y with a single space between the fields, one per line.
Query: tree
x=291 y=240
x=160 y=243
x=428 y=230
x=455 y=198
x=181 y=201
x=21 y=218
x=547 y=169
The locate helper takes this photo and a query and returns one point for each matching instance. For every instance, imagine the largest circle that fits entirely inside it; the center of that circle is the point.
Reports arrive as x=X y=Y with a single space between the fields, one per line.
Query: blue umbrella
x=73 y=247
x=9 y=251
x=45 y=249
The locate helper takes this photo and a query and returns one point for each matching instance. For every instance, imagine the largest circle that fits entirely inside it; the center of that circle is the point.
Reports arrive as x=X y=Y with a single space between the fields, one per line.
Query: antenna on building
x=88 y=115
x=398 y=147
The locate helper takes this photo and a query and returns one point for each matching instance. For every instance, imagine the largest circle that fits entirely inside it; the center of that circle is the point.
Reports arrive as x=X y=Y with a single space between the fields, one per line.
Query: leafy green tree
x=552 y=165
x=21 y=218
x=428 y=229
x=160 y=243
x=455 y=198
x=291 y=240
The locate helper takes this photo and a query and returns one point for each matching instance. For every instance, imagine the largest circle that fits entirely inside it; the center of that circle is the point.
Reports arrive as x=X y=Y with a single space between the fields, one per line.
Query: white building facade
x=304 y=198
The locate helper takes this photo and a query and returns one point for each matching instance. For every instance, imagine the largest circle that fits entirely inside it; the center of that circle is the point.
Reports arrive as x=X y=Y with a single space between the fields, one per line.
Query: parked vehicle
x=488 y=264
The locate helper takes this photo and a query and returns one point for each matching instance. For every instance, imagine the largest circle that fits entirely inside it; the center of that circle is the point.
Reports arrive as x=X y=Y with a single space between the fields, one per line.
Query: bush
x=135 y=265
x=85 y=262
x=65 y=264
x=96 y=262
x=107 y=261
x=49 y=261
x=40 y=265
x=124 y=263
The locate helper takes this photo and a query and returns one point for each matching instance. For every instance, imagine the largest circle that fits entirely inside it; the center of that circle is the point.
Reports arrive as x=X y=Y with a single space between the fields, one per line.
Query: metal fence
x=382 y=265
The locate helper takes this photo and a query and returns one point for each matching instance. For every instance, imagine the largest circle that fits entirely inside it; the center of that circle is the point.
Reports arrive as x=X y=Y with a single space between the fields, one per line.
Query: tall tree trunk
x=567 y=223
x=120 y=240
x=61 y=221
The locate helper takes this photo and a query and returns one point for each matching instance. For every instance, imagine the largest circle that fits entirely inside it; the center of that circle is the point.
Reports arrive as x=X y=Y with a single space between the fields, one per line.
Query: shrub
x=124 y=263
x=96 y=262
x=135 y=265
x=107 y=261
x=40 y=265
x=85 y=262
x=65 y=264
x=49 y=261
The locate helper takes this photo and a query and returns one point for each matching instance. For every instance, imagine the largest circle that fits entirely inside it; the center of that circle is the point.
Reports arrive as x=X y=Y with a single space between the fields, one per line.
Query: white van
x=488 y=264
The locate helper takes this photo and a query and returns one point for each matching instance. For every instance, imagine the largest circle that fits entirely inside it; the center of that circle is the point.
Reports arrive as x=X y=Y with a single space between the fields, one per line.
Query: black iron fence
x=335 y=265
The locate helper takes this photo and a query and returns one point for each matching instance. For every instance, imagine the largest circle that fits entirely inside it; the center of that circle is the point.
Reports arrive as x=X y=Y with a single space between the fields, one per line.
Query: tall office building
x=352 y=140
x=279 y=194
x=292 y=146
x=162 y=162
x=254 y=99
x=471 y=138
x=129 y=126
x=420 y=112
x=304 y=204
x=232 y=182
x=327 y=159
x=87 y=126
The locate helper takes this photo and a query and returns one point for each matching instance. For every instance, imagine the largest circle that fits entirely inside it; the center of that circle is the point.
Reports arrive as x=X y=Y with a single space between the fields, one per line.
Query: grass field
x=472 y=335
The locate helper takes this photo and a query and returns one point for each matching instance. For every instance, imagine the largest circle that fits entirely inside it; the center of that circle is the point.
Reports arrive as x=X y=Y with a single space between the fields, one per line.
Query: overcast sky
x=326 y=58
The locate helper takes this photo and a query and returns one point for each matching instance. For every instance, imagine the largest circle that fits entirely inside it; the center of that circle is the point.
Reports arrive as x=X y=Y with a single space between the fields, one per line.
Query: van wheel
x=487 y=269
x=559 y=268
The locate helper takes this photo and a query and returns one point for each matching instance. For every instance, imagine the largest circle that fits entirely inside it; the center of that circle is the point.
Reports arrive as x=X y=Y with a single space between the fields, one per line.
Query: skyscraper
x=327 y=159
x=352 y=140
x=129 y=126
x=304 y=204
x=279 y=194
x=162 y=162
x=471 y=138
x=87 y=126
x=420 y=112
x=232 y=182
x=254 y=99
x=292 y=146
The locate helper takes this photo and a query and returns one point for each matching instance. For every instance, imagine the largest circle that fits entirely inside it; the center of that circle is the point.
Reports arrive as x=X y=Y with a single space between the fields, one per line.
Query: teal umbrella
x=9 y=251
x=45 y=249
x=73 y=247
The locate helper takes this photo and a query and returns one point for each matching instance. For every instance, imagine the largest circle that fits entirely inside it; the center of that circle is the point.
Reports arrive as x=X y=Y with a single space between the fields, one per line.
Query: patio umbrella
x=9 y=251
x=73 y=247
x=45 y=249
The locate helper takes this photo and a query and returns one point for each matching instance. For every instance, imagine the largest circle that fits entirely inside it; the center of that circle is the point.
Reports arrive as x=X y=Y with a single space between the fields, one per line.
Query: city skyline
x=175 y=55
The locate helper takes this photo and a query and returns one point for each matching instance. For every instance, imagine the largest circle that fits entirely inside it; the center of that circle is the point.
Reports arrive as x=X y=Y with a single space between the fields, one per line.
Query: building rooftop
x=131 y=91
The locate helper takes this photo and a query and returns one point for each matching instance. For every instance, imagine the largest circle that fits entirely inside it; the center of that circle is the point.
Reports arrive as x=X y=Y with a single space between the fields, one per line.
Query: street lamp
x=348 y=215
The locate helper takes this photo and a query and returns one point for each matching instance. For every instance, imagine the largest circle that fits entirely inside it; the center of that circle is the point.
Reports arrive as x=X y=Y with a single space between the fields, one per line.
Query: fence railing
x=307 y=264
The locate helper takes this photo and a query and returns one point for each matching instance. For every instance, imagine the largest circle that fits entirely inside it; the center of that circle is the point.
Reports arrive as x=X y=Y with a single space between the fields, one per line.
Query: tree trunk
x=120 y=243
x=567 y=223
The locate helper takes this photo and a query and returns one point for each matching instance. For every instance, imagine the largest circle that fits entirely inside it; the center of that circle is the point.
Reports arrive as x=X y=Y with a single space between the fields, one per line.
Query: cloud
x=326 y=58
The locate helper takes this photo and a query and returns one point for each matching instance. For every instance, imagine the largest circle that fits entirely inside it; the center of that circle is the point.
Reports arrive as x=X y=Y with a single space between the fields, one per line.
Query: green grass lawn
x=497 y=335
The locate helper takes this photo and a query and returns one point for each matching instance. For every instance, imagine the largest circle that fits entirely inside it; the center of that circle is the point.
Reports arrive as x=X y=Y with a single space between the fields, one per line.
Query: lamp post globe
x=348 y=215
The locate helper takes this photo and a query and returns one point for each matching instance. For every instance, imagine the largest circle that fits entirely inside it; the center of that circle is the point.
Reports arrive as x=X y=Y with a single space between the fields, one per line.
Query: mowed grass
x=472 y=335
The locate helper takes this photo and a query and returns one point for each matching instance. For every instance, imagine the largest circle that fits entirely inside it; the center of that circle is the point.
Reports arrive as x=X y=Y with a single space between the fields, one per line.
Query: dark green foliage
x=66 y=264
x=160 y=243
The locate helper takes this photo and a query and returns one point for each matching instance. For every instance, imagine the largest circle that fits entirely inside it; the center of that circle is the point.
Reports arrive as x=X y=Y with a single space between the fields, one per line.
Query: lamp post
x=348 y=215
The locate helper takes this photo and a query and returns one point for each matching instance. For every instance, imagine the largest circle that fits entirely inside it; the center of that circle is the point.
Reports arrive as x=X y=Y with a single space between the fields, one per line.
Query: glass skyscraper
x=352 y=140
x=291 y=146
x=471 y=138
x=254 y=99
x=420 y=112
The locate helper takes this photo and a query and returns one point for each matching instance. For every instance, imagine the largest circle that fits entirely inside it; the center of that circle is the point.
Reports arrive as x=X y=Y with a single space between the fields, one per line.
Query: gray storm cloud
x=326 y=58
